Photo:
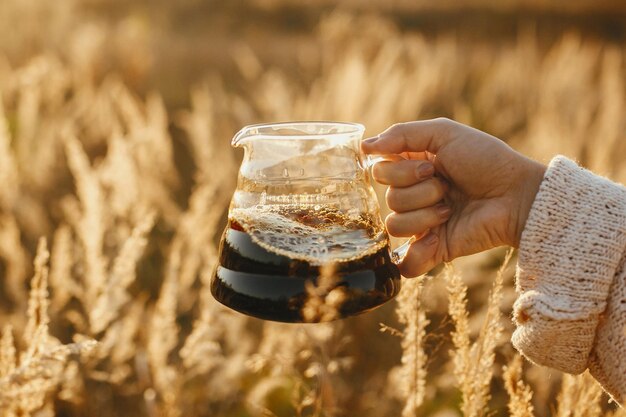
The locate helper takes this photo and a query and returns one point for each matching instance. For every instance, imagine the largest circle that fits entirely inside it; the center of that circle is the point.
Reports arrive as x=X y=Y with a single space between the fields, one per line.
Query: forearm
x=570 y=277
x=607 y=362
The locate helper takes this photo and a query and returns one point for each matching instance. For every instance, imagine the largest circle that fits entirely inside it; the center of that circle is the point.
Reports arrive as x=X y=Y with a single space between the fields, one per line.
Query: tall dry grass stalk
x=90 y=222
x=580 y=396
x=65 y=287
x=473 y=362
x=8 y=168
x=520 y=394
x=163 y=338
x=29 y=378
x=323 y=298
x=307 y=359
x=409 y=380
x=15 y=259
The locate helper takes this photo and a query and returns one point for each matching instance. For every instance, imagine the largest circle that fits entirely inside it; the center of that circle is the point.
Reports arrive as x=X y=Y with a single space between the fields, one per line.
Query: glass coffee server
x=304 y=240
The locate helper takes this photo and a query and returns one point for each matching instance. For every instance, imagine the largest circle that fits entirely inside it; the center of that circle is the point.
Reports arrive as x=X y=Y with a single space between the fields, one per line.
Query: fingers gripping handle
x=398 y=254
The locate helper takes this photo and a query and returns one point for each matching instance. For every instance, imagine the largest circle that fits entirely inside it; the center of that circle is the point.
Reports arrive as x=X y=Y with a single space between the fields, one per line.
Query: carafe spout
x=240 y=137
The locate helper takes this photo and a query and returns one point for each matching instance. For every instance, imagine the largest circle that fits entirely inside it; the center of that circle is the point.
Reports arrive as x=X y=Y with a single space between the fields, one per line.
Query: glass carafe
x=304 y=240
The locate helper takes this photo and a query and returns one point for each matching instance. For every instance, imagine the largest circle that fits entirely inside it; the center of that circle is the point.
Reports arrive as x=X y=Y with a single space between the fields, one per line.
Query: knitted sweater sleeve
x=571 y=277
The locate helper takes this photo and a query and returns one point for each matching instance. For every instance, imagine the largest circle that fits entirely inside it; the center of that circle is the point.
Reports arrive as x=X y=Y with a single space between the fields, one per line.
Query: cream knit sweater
x=571 y=277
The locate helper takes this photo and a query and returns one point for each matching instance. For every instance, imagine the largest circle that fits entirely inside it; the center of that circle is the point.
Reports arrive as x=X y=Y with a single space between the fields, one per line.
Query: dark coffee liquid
x=264 y=284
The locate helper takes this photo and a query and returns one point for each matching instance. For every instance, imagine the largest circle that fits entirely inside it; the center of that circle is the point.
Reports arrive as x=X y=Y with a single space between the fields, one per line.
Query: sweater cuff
x=569 y=251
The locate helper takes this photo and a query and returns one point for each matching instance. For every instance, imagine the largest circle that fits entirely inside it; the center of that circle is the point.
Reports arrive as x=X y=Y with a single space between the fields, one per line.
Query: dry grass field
x=116 y=174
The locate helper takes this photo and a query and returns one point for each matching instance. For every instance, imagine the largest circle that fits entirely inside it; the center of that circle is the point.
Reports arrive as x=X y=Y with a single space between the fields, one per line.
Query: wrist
x=530 y=182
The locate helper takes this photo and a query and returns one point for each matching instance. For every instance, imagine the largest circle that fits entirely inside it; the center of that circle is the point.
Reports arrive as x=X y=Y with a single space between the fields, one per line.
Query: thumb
x=418 y=136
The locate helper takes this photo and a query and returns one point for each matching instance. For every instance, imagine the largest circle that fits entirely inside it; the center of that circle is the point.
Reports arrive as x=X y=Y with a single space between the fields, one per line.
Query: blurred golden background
x=115 y=122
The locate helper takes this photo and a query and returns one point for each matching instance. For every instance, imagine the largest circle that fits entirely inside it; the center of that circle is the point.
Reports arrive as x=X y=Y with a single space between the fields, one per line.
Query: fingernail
x=444 y=211
x=425 y=170
x=431 y=239
x=370 y=141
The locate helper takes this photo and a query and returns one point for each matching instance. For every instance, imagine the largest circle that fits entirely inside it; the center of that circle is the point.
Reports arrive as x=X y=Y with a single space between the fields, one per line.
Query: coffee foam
x=317 y=235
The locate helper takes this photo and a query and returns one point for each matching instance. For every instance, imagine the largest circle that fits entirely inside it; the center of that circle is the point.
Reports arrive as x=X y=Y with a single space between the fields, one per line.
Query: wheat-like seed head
x=579 y=397
x=473 y=362
x=27 y=379
x=324 y=297
x=520 y=394
x=114 y=295
x=410 y=379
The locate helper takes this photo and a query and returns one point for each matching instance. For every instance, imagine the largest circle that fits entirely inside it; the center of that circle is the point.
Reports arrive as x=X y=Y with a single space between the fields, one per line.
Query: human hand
x=477 y=197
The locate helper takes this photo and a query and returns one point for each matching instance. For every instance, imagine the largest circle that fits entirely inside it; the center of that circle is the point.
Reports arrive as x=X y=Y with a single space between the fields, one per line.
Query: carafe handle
x=398 y=254
x=371 y=160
